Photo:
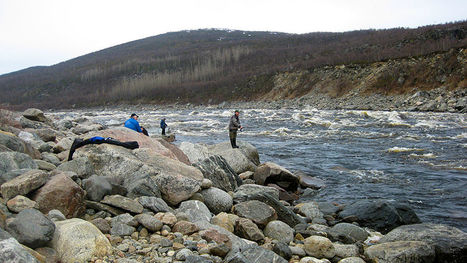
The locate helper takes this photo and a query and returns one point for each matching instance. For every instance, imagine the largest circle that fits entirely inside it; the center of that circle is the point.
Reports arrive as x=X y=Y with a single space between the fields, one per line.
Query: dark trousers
x=233 y=138
x=163 y=131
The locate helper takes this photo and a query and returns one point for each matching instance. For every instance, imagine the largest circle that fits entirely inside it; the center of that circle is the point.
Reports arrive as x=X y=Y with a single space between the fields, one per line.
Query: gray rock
x=307 y=181
x=77 y=240
x=183 y=253
x=271 y=173
x=257 y=211
x=351 y=260
x=217 y=200
x=244 y=192
x=12 y=174
x=4 y=235
x=284 y=214
x=347 y=233
x=401 y=252
x=319 y=247
x=46 y=166
x=450 y=243
x=96 y=187
x=149 y=222
x=246 y=228
x=380 y=215
x=144 y=186
x=16 y=144
x=246 y=158
x=103 y=207
x=155 y=204
x=126 y=219
x=297 y=251
x=197 y=259
x=24 y=184
x=346 y=251
x=282 y=249
x=12 y=251
x=328 y=208
x=216 y=169
x=46 y=134
x=124 y=203
x=35 y=115
x=51 y=158
x=254 y=252
x=31 y=228
x=196 y=211
x=310 y=210
x=56 y=215
x=119 y=229
x=19 y=203
x=280 y=231
x=102 y=224
x=27 y=123
x=10 y=161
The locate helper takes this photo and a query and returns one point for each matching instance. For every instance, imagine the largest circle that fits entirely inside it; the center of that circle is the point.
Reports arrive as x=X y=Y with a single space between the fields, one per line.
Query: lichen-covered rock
x=257 y=211
x=24 y=184
x=319 y=247
x=12 y=251
x=401 y=252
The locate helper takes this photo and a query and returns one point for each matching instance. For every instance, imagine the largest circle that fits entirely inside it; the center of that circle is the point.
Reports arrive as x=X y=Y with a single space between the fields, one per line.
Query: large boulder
x=176 y=180
x=319 y=247
x=77 y=240
x=35 y=115
x=255 y=253
x=63 y=194
x=195 y=152
x=246 y=228
x=155 y=204
x=196 y=211
x=24 y=184
x=347 y=233
x=31 y=228
x=217 y=200
x=271 y=173
x=245 y=158
x=401 y=252
x=12 y=251
x=280 y=231
x=11 y=161
x=257 y=211
x=380 y=215
x=145 y=142
x=97 y=187
x=16 y=144
x=244 y=192
x=124 y=203
x=284 y=214
x=216 y=169
x=450 y=243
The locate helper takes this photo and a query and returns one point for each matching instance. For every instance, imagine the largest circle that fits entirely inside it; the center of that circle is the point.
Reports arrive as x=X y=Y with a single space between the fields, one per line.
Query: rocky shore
x=192 y=203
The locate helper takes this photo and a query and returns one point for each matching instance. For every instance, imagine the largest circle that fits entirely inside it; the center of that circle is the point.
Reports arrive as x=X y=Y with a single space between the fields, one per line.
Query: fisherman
x=234 y=125
x=132 y=123
x=163 y=126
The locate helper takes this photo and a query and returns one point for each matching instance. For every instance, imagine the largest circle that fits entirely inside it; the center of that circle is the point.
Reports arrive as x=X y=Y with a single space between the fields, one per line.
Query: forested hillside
x=211 y=66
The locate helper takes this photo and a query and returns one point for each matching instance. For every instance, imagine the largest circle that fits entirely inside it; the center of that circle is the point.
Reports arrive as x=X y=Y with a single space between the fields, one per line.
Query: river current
x=419 y=158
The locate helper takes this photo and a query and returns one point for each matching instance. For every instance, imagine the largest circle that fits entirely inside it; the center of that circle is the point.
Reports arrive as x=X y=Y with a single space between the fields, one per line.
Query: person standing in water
x=234 y=125
x=163 y=126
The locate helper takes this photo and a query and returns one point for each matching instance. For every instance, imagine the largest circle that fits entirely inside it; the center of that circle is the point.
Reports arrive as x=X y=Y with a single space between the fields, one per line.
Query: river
x=412 y=157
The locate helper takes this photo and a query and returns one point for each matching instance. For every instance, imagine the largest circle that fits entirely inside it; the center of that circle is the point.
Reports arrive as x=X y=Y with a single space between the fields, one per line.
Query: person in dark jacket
x=132 y=123
x=163 y=126
x=234 y=125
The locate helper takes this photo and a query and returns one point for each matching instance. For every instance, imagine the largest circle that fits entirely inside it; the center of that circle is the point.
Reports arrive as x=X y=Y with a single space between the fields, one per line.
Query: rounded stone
x=280 y=231
x=319 y=247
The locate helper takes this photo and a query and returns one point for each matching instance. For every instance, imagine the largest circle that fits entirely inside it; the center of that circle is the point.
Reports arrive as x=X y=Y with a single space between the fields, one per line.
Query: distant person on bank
x=163 y=126
x=234 y=125
x=132 y=123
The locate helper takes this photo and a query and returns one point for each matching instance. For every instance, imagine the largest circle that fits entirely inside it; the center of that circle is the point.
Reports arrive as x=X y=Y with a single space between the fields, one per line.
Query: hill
x=211 y=66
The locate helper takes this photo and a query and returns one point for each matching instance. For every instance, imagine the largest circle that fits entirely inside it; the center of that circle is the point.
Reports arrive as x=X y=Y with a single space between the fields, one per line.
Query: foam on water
x=403 y=149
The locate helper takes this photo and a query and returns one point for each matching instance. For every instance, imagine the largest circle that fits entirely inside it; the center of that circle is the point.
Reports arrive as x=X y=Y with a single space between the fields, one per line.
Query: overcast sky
x=46 y=32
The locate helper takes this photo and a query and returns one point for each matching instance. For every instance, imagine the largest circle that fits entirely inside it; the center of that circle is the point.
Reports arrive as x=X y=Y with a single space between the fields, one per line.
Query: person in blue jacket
x=132 y=123
x=163 y=126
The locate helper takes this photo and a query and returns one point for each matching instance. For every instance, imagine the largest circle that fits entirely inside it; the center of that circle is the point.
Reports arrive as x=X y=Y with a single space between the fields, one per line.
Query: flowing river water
x=412 y=157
